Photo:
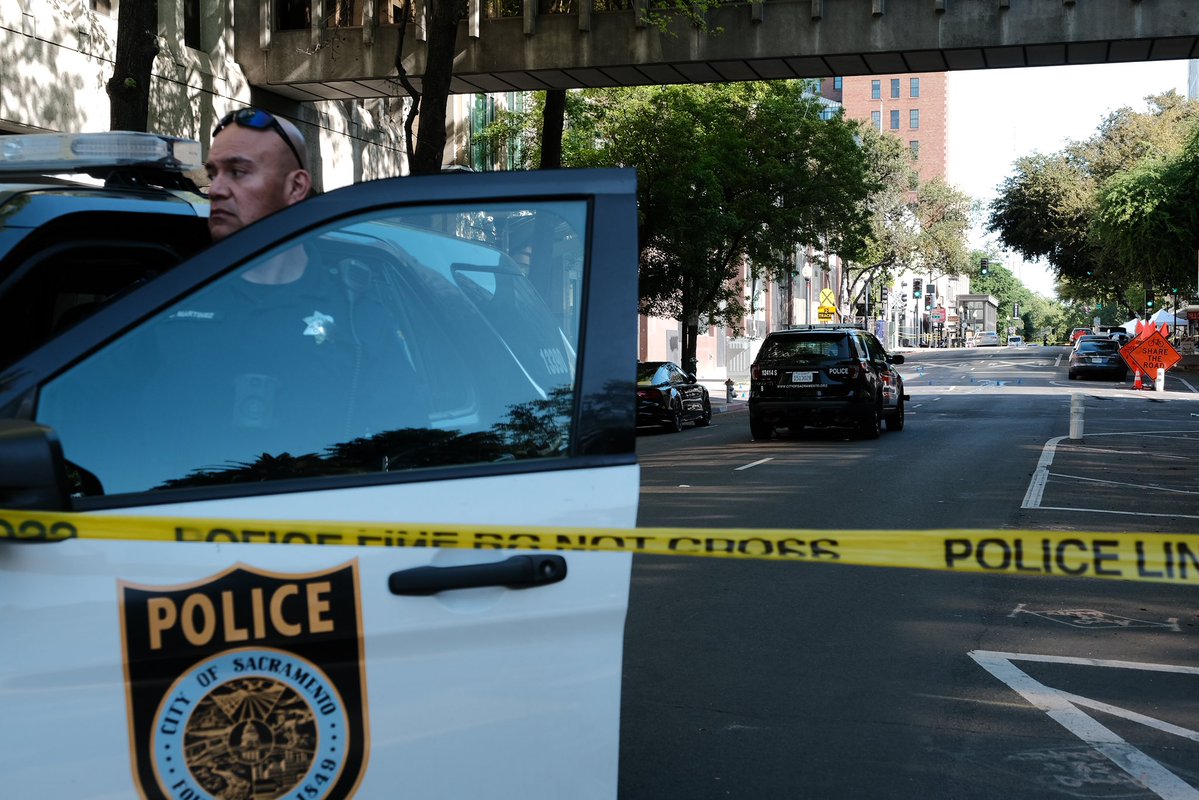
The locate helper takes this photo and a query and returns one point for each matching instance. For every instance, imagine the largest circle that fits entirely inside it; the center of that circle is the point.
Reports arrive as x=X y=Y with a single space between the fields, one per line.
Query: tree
x=1149 y=216
x=943 y=215
x=129 y=87
x=891 y=240
x=428 y=109
x=728 y=175
x=1110 y=214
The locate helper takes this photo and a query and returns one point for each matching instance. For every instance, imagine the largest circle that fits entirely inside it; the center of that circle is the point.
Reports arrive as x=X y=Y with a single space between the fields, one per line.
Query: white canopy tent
x=1162 y=316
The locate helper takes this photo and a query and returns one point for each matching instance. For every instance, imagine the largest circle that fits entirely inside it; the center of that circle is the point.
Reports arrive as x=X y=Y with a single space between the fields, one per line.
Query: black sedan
x=669 y=397
x=1098 y=357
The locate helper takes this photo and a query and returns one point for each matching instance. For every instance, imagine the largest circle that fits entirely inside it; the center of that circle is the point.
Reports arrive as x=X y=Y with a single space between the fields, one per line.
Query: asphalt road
x=766 y=680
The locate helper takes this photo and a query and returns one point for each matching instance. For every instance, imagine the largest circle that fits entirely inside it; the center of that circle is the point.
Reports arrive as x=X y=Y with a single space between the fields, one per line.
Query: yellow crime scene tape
x=1154 y=557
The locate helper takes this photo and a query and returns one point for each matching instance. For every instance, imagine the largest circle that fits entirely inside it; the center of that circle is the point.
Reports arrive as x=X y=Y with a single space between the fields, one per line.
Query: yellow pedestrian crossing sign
x=828 y=305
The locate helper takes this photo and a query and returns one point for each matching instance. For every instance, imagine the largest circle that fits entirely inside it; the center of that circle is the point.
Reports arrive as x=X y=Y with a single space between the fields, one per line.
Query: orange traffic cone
x=1136 y=383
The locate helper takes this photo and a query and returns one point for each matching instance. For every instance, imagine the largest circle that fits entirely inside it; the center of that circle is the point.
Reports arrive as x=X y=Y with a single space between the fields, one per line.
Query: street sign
x=1149 y=354
x=937 y=315
x=826 y=313
x=828 y=298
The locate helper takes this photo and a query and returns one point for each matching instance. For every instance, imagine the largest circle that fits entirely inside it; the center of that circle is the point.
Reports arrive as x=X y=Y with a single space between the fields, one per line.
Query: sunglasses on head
x=258 y=120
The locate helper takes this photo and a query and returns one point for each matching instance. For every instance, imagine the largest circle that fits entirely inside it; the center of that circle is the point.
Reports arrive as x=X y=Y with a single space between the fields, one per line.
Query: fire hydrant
x=729 y=394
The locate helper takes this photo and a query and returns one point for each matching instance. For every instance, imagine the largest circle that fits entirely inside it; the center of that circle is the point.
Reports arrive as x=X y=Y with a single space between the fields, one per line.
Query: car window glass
x=677 y=376
x=873 y=349
x=410 y=340
x=818 y=347
x=70 y=267
x=647 y=373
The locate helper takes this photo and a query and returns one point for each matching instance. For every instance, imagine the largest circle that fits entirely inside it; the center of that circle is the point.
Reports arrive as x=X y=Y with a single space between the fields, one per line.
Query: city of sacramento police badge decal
x=247 y=685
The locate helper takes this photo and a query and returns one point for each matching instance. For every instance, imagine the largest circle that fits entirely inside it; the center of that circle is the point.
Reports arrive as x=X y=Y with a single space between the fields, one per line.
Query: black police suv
x=825 y=376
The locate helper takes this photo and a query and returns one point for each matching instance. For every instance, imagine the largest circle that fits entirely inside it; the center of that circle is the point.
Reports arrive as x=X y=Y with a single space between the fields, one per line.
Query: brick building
x=914 y=107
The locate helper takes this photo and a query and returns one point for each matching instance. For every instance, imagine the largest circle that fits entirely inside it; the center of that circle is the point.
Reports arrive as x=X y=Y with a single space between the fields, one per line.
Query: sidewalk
x=718 y=394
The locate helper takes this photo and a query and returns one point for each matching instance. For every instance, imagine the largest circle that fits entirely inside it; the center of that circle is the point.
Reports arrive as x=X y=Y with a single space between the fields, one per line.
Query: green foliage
x=1112 y=215
x=727 y=174
x=1038 y=314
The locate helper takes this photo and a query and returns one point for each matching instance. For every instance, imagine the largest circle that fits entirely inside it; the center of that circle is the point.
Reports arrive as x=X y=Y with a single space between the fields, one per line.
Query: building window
x=895 y=120
x=191 y=24
x=877 y=118
x=914 y=145
x=837 y=83
x=914 y=89
x=876 y=90
x=914 y=119
x=895 y=87
x=482 y=149
x=291 y=15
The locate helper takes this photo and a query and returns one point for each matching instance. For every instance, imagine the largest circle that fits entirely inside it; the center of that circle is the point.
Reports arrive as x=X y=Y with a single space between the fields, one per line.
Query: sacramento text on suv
x=825 y=375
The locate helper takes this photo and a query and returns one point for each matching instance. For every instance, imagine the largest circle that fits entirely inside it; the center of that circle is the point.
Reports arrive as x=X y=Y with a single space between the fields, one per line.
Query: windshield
x=809 y=347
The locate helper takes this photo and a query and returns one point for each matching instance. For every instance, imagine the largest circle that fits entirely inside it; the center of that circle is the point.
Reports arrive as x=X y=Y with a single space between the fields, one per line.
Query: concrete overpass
x=774 y=39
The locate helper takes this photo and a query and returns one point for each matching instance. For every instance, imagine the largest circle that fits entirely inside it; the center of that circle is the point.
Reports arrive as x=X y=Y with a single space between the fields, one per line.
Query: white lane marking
x=1116 y=711
x=1057 y=362
x=1063 y=709
x=1036 y=487
x=753 y=464
x=1123 y=483
x=1122 y=513
x=1126 y=453
x=1040 y=476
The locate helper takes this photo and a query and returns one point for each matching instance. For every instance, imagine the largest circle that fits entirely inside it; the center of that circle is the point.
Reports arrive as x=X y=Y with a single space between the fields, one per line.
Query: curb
x=724 y=409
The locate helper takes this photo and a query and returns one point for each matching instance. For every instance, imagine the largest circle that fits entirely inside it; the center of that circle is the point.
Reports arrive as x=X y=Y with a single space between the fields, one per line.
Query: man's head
x=257 y=165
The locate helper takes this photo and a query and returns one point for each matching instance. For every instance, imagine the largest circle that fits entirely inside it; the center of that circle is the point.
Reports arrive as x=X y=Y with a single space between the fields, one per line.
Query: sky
x=999 y=115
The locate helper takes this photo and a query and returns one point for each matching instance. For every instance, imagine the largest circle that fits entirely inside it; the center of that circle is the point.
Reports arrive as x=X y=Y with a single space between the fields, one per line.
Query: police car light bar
x=81 y=152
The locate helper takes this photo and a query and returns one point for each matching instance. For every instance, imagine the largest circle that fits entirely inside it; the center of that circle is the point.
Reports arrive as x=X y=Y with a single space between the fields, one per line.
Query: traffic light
x=884 y=294
x=1149 y=298
x=917 y=288
x=928 y=300
x=985 y=267
x=1015 y=309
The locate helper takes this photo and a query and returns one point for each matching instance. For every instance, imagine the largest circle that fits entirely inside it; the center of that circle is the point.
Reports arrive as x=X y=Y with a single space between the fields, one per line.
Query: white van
x=415 y=375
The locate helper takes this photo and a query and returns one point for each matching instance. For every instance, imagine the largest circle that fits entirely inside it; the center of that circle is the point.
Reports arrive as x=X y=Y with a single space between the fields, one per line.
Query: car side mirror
x=33 y=473
x=896 y=359
x=691 y=378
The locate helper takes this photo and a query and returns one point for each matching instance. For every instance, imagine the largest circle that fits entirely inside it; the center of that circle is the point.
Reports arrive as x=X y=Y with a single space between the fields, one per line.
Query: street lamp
x=806 y=272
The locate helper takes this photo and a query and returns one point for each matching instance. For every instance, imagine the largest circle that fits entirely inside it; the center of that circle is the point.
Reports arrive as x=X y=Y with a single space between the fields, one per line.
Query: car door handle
x=517 y=572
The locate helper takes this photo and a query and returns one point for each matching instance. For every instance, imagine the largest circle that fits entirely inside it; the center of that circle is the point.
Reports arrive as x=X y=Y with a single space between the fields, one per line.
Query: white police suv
x=413 y=374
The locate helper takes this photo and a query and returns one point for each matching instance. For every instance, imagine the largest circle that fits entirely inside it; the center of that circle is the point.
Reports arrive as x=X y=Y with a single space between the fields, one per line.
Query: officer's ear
x=298 y=186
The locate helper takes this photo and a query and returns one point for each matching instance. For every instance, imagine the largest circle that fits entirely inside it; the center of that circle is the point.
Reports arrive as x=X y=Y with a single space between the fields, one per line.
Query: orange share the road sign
x=1150 y=353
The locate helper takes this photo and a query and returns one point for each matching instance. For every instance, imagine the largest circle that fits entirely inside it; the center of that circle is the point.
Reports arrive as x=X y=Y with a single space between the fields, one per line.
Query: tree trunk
x=435 y=89
x=690 y=328
x=137 y=45
x=553 y=117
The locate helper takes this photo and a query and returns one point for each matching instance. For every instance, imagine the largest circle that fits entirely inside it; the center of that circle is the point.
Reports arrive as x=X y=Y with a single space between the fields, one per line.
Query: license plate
x=801 y=377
